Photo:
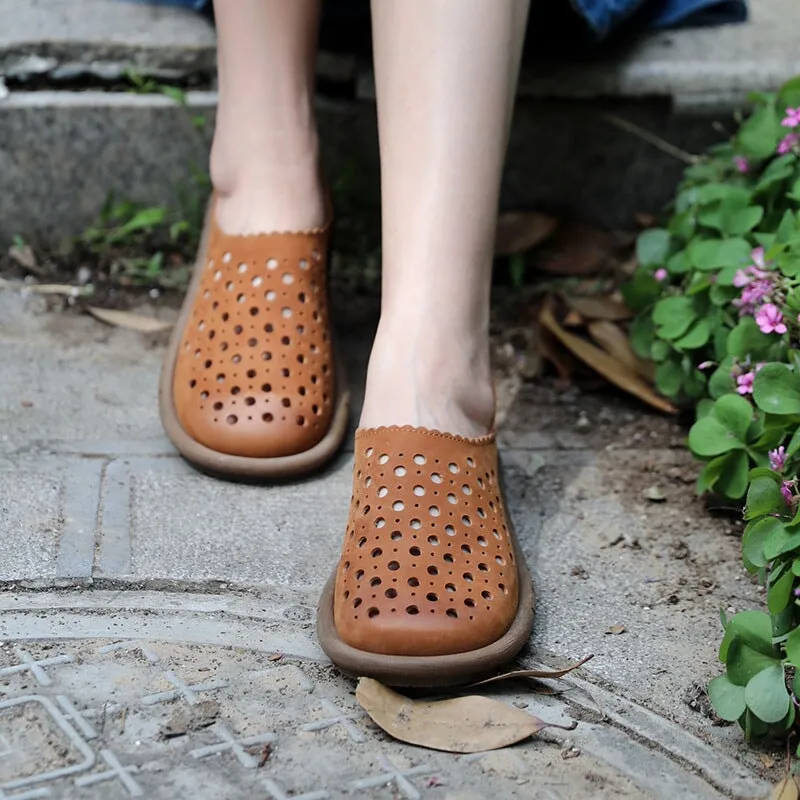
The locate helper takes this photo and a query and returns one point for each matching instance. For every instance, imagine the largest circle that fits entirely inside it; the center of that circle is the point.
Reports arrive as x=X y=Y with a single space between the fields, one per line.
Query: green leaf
x=711 y=254
x=780 y=541
x=709 y=437
x=779 y=593
x=776 y=389
x=744 y=662
x=678 y=264
x=713 y=471
x=642 y=334
x=759 y=135
x=766 y=695
x=697 y=335
x=735 y=413
x=747 y=340
x=660 y=350
x=717 y=192
x=763 y=497
x=641 y=291
x=727 y=698
x=796 y=568
x=778 y=170
x=793 y=647
x=786 y=229
x=668 y=378
x=754 y=628
x=652 y=247
x=673 y=316
x=733 y=480
x=789 y=94
x=794 y=444
x=721 y=381
x=755 y=537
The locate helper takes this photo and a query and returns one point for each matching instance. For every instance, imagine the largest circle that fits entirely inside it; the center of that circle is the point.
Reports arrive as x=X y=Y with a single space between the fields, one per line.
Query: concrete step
x=69 y=135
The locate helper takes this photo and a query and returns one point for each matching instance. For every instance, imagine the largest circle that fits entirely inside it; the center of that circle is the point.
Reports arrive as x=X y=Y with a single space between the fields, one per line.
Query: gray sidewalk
x=156 y=626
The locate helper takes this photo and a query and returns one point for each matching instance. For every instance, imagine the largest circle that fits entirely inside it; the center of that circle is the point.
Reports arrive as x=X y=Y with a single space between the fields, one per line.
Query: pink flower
x=792 y=119
x=744 y=383
x=757 y=254
x=706 y=364
x=741 y=278
x=755 y=292
x=787 y=143
x=660 y=274
x=777 y=458
x=788 y=494
x=770 y=319
x=742 y=164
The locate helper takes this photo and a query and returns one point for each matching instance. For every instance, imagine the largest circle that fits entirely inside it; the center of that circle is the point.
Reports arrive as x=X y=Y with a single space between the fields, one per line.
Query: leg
x=446 y=72
x=264 y=161
x=248 y=388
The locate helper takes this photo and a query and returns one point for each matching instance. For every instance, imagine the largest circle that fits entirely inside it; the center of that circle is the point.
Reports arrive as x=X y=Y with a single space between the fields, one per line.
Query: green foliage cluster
x=717 y=296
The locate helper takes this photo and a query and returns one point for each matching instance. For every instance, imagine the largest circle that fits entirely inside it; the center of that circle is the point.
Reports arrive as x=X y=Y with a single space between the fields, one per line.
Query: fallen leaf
x=615 y=342
x=577 y=248
x=24 y=257
x=26 y=404
x=573 y=319
x=610 y=368
x=654 y=494
x=785 y=790
x=127 y=319
x=265 y=754
x=549 y=350
x=616 y=630
x=600 y=307
x=46 y=288
x=460 y=725
x=767 y=760
x=275 y=657
x=533 y=673
x=520 y=231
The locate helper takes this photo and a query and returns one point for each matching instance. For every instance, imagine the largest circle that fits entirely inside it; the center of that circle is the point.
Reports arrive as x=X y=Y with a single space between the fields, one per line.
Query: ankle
x=266 y=184
x=430 y=379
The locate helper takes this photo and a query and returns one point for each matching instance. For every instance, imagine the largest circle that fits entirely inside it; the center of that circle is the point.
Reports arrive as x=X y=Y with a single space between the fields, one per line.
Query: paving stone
x=31 y=519
x=284 y=535
x=94 y=730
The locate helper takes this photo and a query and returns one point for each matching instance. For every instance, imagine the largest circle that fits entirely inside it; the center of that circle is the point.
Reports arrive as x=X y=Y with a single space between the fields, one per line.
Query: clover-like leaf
x=727 y=698
x=766 y=695
x=776 y=389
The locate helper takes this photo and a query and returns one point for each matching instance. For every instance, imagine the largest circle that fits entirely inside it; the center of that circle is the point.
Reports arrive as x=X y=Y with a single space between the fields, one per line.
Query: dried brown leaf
x=602 y=307
x=533 y=673
x=520 y=231
x=46 y=288
x=578 y=249
x=572 y=319
x=550 y=350
x=609 y=367
x=616 y=343
x=458 y=725
x=786 y=790
x=129 y=320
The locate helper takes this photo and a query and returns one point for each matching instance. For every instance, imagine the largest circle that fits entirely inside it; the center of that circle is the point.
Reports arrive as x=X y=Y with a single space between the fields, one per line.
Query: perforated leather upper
x=428 y=565
x=254 y=373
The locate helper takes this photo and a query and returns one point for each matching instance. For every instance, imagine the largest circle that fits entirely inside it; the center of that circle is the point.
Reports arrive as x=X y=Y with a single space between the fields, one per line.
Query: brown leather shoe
x=250 y=387
x=431 y=588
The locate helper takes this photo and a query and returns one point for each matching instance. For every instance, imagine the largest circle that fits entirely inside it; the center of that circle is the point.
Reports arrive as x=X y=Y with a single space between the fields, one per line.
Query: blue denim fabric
x=603 y=16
